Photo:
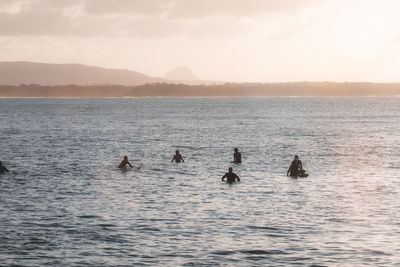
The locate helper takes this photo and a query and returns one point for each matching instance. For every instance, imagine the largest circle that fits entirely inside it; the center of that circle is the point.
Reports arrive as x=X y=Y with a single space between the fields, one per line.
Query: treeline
x=216 y=90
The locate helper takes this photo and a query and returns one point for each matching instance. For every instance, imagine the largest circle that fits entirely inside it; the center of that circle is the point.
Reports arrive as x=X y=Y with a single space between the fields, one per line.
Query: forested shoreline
x=215 y=90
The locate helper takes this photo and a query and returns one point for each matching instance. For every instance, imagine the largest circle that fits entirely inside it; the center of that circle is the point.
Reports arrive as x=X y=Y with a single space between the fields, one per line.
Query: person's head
x=230 y=169
x=177 y=152
x=125 y=157
x=236 y=150
x=296 y=157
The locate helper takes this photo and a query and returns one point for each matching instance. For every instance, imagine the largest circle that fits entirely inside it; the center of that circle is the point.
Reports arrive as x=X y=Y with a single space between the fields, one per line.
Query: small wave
x=336 y=220
x=106 y=225
x=46 y=225
x=178 y=256
x=258 y=252
x=36 y=241
x=269 y=228
x=223 y=252
x=256 y=258
x=157 y=220
x=88 y=216
x=298 y=259
x=378 y=252
x=11 y=132
x=263 y=228
x=150 y=229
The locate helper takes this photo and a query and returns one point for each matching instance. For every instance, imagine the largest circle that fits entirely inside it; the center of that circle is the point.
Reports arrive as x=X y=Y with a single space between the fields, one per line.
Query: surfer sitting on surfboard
x=124 y=162
x=237 y=156
x=231 y=176
x=296 y=168
x=178 y=157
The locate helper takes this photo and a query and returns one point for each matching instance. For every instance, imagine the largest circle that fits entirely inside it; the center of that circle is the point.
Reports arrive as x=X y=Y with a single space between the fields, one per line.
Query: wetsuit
x=123 y=164
x=231 y=177
x=237 y=157
x=178 y=158
x=295 y=167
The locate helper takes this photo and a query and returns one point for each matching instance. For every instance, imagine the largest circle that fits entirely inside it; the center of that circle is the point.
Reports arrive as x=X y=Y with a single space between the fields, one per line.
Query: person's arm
x=182 y=159
x=237 y=177
x=173 y=159
x=129 y=164
x=287 y=174
x=300 y=165
x=223 y=177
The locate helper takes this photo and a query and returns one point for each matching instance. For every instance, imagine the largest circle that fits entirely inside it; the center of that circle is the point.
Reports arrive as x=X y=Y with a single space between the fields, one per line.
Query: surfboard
x=302 y=174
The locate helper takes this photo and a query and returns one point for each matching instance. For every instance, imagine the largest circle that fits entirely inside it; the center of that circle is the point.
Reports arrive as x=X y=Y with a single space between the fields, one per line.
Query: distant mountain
x=181 y=73
x=16 y=73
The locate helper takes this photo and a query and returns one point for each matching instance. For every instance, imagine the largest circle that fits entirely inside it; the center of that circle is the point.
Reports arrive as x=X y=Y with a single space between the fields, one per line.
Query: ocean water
x=65 y=203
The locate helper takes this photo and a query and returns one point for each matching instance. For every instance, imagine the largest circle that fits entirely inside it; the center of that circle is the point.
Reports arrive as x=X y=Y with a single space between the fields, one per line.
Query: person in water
x=124 y=162
x=231 y=176
x=2 y=168
x=237 y=156
x=295 y=168
x=178 y=157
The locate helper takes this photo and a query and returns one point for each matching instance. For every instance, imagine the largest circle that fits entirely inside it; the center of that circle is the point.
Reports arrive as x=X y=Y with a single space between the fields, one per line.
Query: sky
x=222 y=40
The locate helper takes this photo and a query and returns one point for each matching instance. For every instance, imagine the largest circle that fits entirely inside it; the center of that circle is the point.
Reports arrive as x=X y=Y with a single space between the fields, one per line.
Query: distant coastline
x=166 y=90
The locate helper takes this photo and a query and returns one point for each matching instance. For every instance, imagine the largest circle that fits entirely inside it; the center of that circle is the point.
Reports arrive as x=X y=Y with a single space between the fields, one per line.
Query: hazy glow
x=364 y=29
x=235 y=40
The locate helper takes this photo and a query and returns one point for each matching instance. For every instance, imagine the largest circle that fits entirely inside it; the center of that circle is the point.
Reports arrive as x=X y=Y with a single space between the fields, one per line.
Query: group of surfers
x=295 y=169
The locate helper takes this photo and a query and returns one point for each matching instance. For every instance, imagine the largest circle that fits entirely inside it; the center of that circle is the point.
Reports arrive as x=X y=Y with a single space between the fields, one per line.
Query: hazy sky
x=231 y=40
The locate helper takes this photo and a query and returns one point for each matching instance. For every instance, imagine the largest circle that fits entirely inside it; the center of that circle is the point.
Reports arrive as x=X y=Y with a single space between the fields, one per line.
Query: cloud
x=196 y=8
x=146 y=19
x=56 y=23
x=236 y=8
x=126 y=7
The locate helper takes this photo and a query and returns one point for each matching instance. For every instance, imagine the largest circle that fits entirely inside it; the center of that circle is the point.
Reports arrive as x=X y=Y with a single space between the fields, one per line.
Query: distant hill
x=181 y=73
x=16 y=73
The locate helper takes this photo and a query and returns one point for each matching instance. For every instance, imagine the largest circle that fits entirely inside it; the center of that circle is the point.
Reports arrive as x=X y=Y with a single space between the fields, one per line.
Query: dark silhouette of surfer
x=237 y=156
x=296 y=168
x=3 y=168
x=231 y=176
x=125 y=162
x=177 y=157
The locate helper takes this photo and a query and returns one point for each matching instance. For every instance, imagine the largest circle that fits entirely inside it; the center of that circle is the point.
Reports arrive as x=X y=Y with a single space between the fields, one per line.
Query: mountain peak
x=181 y=73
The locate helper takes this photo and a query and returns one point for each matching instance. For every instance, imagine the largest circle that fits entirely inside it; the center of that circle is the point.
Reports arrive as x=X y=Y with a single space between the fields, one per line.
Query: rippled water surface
x=66 y=204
